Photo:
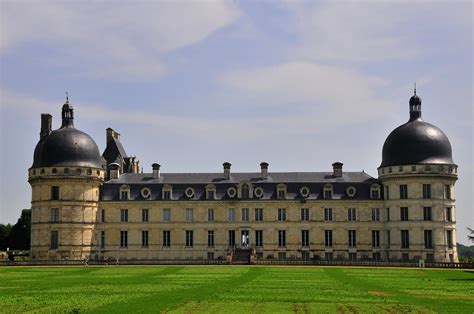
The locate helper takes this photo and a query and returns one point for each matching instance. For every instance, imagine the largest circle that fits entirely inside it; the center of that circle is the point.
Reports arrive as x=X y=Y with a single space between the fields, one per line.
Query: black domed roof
x=416 y=142
x=67 y=146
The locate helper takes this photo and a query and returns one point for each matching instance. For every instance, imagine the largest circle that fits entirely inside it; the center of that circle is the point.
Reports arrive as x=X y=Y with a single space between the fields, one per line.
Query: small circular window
x=189 y=192
x=232 y=192
x=351 y=191
x=146 y=193
x=304 y=191
x=258 y=192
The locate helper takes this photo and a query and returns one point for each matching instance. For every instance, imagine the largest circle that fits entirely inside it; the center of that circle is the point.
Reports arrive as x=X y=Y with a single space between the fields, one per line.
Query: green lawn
x=236 y=289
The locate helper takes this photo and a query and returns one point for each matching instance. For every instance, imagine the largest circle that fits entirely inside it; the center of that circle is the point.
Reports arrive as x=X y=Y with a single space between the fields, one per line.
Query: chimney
x=337 y=169
x=156 y=170
x=264 y=170
x=226 y=166
x=111 y=134
x=46 y=122
x=114 y=170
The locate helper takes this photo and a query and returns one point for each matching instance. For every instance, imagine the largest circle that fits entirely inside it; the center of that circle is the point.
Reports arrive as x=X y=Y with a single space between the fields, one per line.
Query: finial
x=415 y=88
x=67 y=97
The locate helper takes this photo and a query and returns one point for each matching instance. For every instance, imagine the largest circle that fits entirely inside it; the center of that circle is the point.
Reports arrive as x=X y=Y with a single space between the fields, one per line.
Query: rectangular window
x=54 y=214
x=428 y=239
x=404 y=213
x=211 y=194
x=281 y=238
x=245 y=214
x=102 y=239
x=387 y=193
x=54 y=240
x=403 y=191
x=189 y=214
x=231 y=237
x=388 y=238
x=328 y=238
x=166 y=238
x=166 y=215
x=123 y=215
x=210 y=214
x=145 y=215
x=102 y=215
x=144 y=238
x=447 y=192
x=426 y=190
x=210 y=238
x=166 y=195
x=388 y=214
x=352 y=238
x=448 y=214
x=327 y=194
x=375 y=238
x=231 y=214
x=123 y=238
x=259 y=238
x=124 y=195
x=449 y=238
x=281 y=214
x=427 y=213
x=328 y=214
x=258 y=214
x=351 y=214
x=405 y=239
x=55 y=193
x=189 y=238
x=374 y=194
x=281 y=194
x=304 y=214
x=305 y=238
x=375 y=214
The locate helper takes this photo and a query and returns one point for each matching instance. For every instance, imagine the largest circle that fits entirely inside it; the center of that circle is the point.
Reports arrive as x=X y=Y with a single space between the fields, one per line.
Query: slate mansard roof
x=294 y=181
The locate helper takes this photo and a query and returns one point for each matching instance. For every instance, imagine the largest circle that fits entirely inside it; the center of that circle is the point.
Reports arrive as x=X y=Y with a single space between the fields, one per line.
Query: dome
x=416 y=142
x=67 y=146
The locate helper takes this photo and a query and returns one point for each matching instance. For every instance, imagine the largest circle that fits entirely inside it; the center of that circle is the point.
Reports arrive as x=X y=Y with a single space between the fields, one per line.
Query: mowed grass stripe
x=235 y=289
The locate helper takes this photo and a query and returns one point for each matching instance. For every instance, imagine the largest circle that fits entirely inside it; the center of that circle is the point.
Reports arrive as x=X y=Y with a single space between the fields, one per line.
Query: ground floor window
x=281 y=238
x=210 y=238
x=144 y=238
x=54 y=240
x=259 y=238
x=305 y=238
x=328 y=238
x=189 y=238
x=123 y=238
x=102 y=239
x=405 y=239
x=166 y=238
x=231 y=237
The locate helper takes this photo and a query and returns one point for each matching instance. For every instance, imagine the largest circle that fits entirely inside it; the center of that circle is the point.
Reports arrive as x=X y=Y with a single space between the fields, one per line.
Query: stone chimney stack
x=337 y=169
x=114 y=171
x=264 y=170
x=111 y=134
x=46 y=123
x=226 y=166
x=156 y=170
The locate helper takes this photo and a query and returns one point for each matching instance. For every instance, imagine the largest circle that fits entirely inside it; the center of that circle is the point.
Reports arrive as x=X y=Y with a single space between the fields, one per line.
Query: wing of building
x=88 y=206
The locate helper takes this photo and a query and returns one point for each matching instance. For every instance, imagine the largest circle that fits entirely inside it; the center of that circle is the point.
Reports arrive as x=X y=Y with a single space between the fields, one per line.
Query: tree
x=5 y=236
x=20 y=234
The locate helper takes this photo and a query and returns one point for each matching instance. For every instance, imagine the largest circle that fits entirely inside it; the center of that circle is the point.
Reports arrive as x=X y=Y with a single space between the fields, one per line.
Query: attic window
x=281 y=191
x=210 y=192
x=351 y=191
x=146 y=193
x=245 y=191
x=304 y=191
x=124 y=192
x=328 y=191
x=375 y=192
x=258 y=192
x=167 y=192
x=189 y=192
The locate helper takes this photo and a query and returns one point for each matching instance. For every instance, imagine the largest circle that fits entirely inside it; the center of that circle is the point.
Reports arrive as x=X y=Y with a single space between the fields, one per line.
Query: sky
x=191 y=84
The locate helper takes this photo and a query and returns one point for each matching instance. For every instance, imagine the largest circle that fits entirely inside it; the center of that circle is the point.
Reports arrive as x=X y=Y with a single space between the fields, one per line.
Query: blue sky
x=193 y=84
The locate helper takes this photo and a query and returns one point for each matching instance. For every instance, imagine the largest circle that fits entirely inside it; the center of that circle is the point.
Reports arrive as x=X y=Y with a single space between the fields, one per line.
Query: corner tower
x=418 y=174
x=65 y=178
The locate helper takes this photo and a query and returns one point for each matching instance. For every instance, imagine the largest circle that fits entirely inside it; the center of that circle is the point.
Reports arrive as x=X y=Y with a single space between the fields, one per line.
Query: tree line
x=17 y=236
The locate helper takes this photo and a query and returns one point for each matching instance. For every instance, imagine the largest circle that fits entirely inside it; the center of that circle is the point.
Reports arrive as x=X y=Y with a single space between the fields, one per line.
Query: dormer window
x=167 y=192
x=245 y=191
x=281 y=191
x=211 y=192
x=328 y=191
x=124 y=193
x=375 y=192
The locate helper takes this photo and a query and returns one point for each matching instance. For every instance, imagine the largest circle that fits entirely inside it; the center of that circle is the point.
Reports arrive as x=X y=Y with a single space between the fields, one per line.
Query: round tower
x=65 y=178
x=418 y=174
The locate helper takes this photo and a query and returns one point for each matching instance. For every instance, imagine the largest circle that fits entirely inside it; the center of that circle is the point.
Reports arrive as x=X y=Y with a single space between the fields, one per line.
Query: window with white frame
x=259 y=238
x=258 y=214
x=375 y=214
x=210 y=214
x=189 y=238
x=404 y=213
x=231 y=214
x=167 y=192
x=352 y=238
x=427 y=213
x=281 y=191
x=124 y=192
x=305 y=238
x=328 y=214
x=328 y=238
x=166 y=215
x=144 y=238
x=124 y=215
x=426 y=190
x=281 y=238
x=351 y=214
x=405 y=239
x=305 y=214
x=210 y=238
x=210 y=192
x=189 y=214
x=244 y=191
x=375 y=192
x=123 y=239
x=166 y=238
x=328 y=191
x=245 y=214
x=281 y=214
x=375 y=238
x=428 y=235
x=145 y=215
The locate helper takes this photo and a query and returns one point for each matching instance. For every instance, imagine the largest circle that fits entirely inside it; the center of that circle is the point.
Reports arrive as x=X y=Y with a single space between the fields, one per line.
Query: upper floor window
x=281 y=214
x=447 y=192
x=404 y=213
x=387 y=193
x=231 y=214
x=54 y=214
x=449 y=238
x=304 y=214
x=403 y=191
x=167 y=192
x=166 y=215
x=351 y=214
x=245 y=191
x=210 y=214
x=124 y=192
x=281 y=191
x=375 y=214
x=426 y=190
x=427 y=213
x=245 y=214
x=55 y=193
x=123 y=215
x=258 y=214
x=102 y=215
x=449 y=214
x=145 y=215
x=328 y=214
x=189 y=214
x=328 y=191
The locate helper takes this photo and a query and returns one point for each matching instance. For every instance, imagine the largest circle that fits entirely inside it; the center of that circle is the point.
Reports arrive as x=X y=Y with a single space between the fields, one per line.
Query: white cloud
x=123 y=41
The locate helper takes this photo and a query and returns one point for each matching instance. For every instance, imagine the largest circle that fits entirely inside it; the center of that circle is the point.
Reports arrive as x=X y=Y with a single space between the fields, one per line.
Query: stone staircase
x=241 y=256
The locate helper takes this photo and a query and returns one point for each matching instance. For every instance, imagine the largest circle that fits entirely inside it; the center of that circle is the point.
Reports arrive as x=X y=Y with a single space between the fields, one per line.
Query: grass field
x=234 y=289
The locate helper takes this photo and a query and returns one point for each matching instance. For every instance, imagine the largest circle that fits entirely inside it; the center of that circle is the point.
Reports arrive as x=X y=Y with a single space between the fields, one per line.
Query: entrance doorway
x=244 y=239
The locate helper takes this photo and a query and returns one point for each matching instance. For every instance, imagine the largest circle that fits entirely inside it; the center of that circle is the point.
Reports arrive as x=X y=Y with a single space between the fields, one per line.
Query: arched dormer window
x=328 y=191
x=167 y=192
x=375 y=191
x=281 y=191
x=210 y=192
x=245 y=190
x=124 y=193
